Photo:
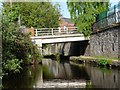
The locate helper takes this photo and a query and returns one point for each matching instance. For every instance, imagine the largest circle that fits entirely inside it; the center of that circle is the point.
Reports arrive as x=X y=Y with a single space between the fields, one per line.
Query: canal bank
x=102 y=61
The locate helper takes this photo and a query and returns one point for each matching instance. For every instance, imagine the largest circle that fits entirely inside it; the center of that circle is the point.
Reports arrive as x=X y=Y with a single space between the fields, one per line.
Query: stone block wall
x=106 y=43
x=68 y=49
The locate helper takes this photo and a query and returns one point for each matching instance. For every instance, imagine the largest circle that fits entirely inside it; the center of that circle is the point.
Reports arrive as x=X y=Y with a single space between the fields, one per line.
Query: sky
x=63 y=5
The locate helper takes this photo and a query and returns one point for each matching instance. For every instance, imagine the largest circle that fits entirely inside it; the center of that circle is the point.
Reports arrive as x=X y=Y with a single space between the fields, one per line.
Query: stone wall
x=68 y=49
x=106 y=43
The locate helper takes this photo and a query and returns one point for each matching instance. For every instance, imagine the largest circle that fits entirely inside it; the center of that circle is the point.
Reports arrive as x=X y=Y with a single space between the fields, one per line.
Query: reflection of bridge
x=56 y=35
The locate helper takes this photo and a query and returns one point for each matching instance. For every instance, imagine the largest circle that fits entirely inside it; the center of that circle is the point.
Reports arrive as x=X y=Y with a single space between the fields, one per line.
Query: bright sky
x=63 y=5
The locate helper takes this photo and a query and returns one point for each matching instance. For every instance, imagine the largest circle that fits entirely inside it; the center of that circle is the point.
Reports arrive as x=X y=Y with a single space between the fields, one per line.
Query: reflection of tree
x=47 y=74
x=25 y=79
x=103 y=78
x=39 y=77
x=89 y=84
x=54 y=69
x=68 y=70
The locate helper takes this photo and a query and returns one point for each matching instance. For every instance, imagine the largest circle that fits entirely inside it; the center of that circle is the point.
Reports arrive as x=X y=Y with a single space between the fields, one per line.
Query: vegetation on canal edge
x=103 y=62
x=84 y=14
x=100 y=60
x=17 y=48
x=98 y=57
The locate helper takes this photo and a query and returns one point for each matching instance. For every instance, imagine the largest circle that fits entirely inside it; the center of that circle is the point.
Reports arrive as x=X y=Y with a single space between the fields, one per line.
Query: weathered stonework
x=68 y=49
x=106 y=43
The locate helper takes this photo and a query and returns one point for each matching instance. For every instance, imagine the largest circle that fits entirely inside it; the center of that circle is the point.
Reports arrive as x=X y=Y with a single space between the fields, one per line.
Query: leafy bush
x=102 y=62
x=12 y=65
x=17 y=48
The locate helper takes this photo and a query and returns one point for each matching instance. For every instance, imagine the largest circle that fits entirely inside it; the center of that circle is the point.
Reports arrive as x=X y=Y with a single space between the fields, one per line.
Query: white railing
x=55 y=31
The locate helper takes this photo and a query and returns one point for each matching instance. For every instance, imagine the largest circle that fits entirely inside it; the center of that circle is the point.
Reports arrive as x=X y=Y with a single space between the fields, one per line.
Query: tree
x=84 y=14
x=17 y=48
x=35 y=14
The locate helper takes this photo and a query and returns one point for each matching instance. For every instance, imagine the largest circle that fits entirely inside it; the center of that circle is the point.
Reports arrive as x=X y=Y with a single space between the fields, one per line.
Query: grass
x=102 y=57
x=99 y=57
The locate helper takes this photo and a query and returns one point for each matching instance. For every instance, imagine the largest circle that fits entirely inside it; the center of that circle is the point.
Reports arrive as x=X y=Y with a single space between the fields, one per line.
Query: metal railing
x=55 y=31
x=112 y=19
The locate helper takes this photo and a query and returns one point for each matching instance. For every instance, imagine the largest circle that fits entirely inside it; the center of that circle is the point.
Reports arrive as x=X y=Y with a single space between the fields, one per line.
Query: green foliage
x=35 y=14
x=102 y=62
x=16 y=46
x=99 y=57
x=109 y=61
x=12 y=65
x=45 y=46
x=84 y=14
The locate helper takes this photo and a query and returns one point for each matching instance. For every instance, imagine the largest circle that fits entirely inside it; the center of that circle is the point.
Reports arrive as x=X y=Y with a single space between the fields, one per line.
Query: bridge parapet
x=57 y=35
x=55 y=31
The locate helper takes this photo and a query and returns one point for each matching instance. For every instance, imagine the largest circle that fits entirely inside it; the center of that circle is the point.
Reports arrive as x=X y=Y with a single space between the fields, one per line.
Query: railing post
x=52 y=31
x=67 y=30
x=59 y=29
x=64 y=29
x=36 y=32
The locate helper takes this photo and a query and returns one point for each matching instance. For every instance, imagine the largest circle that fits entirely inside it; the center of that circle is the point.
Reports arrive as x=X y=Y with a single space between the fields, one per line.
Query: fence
x=55 y=31
x=111 y=19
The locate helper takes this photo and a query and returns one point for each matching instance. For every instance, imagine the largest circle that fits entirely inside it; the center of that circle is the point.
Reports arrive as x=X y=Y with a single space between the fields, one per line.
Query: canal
x=63 y=74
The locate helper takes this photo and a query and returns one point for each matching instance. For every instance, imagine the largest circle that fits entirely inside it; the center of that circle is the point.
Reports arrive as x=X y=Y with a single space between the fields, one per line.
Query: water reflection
x=63 y=70
x=26 y=79
x=54 y=74
x=62 y=74
x=103 y=77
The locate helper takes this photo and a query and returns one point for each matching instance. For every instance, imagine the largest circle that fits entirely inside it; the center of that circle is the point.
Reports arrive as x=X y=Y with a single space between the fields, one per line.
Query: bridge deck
x=56 y=36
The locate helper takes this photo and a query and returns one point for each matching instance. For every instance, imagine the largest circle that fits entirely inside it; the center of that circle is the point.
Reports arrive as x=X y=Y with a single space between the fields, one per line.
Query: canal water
x=63 y=74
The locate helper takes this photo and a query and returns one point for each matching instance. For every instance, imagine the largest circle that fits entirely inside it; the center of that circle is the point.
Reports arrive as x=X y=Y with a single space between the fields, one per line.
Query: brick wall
x=66 y=24
x=30 y=30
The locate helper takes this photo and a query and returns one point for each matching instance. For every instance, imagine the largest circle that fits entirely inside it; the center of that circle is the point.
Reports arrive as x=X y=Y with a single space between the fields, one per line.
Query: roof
x=67 y=20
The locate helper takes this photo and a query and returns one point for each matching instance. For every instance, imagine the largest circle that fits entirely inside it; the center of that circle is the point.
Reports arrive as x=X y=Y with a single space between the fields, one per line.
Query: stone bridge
x=56 y=35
